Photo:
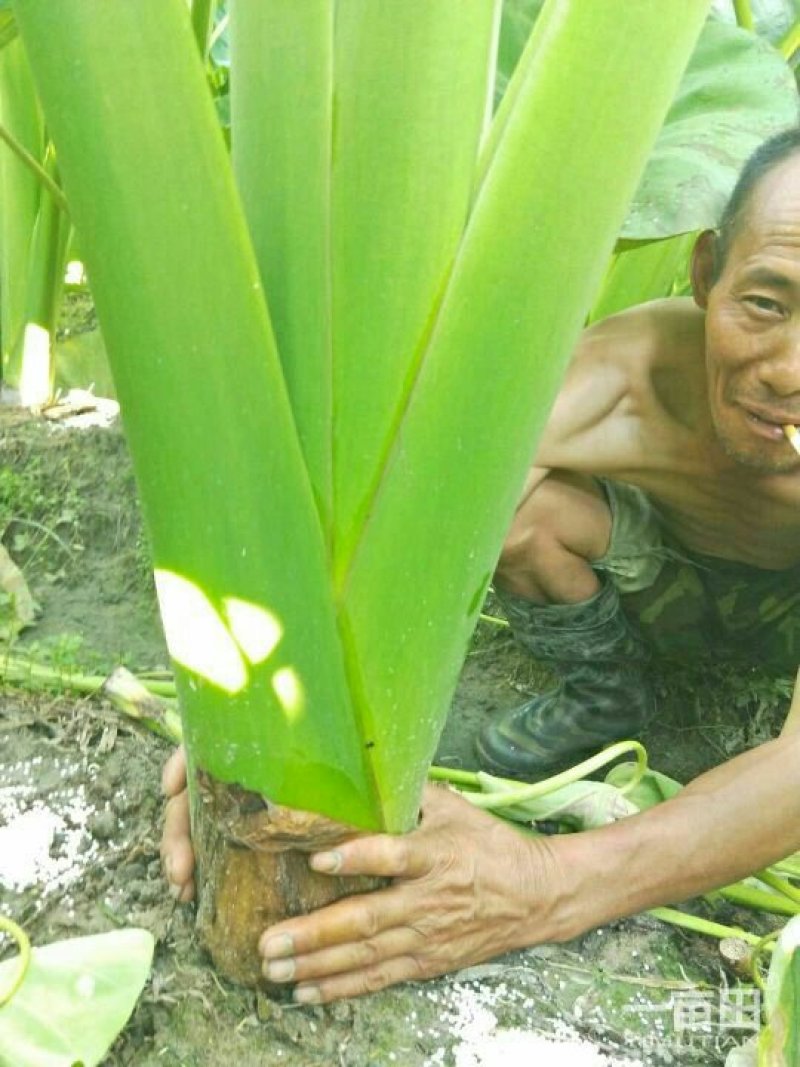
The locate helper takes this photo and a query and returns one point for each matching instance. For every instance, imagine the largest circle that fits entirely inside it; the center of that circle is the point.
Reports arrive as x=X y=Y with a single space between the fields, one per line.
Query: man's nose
x=779 y=371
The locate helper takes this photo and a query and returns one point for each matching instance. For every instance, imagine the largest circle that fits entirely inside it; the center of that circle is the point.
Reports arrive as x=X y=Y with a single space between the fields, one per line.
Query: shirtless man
x=694 y=529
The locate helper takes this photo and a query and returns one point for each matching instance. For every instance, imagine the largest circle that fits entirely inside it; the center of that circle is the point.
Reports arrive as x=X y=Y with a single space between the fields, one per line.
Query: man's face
x=753 y=328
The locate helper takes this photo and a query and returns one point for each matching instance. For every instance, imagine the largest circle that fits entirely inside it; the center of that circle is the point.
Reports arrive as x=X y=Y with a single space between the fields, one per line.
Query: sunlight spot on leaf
x=257 y=632
x=289 y=691
x=197 y=637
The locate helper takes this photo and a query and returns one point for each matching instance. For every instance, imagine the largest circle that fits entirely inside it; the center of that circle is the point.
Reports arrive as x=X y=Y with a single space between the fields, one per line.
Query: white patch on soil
x=42 y=843
x=480 y=1041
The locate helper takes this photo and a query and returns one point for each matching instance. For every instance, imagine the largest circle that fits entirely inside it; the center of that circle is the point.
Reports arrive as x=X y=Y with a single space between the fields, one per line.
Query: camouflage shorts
x=690 y=606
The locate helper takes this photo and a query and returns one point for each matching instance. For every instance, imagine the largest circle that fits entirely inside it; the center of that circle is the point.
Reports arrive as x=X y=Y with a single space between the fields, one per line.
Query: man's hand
x=466 y=887
x=177 y=854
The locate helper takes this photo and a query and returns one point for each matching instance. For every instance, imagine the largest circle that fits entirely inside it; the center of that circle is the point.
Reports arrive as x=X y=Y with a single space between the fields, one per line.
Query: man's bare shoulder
x=641 y=366
x=643 y=340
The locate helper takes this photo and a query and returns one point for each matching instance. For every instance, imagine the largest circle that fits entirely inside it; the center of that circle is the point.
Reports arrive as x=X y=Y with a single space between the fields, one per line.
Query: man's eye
x=766 y=304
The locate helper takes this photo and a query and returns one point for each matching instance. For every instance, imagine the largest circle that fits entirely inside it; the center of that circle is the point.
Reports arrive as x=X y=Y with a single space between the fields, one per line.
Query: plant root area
x=81 y=812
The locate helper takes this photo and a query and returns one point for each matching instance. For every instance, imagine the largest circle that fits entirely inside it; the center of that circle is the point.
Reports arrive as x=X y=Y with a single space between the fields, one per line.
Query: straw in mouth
x=792 y=436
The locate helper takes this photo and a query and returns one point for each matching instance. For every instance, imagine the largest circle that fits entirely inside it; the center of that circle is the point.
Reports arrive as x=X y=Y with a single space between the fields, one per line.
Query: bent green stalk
x=8 y=926
x=519 y=792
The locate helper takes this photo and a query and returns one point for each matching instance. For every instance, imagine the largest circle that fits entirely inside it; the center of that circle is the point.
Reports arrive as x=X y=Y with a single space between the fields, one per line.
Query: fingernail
x=280 y=970
x=175 y=891
x=307 y=994
x=327 y=862
x=278 y=946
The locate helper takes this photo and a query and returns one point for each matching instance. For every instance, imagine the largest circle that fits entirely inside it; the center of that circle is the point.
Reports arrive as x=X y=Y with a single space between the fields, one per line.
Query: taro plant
x=334 y=352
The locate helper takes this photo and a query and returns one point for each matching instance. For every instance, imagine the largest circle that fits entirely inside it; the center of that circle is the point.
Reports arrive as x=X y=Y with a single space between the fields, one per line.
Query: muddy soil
x=80 y=813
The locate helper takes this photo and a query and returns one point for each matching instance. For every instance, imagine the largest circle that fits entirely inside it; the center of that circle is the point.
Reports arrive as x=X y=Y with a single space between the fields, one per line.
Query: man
x=691 y=536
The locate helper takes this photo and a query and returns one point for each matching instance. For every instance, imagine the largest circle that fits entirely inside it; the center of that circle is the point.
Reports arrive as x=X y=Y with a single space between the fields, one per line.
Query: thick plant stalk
x=45 y=286
x=531 y=259
x=251 y=628
x=20 y=193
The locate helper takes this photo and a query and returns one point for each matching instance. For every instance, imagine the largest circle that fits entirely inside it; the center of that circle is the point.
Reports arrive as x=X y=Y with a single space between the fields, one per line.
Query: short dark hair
x=765 y=158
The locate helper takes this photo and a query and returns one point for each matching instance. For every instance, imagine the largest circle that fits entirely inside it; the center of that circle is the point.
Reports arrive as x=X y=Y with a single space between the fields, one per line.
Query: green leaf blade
x=737 y=90
x=412 y=85
x=76 y=997
x=282 y=129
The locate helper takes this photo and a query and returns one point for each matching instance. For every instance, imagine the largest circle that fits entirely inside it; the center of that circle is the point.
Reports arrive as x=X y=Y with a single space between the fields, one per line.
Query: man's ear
x=703 y=267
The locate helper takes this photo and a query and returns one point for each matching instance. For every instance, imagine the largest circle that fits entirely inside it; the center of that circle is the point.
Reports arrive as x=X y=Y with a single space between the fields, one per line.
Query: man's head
x=747 y=278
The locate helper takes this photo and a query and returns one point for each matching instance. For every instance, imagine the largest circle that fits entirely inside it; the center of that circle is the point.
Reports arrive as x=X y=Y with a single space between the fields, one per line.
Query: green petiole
x=702 y=926
x=8 y=926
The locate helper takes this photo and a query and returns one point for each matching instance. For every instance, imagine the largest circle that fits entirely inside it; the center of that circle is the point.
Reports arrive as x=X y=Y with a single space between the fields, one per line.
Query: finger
x=173 y=776
x=359 y=983
x=379 y=855
x=176 y=847
x=355 y=956
x=356 y=918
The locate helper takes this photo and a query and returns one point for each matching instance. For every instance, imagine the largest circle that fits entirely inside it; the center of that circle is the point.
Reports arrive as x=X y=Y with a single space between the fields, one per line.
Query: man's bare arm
x=728 y=823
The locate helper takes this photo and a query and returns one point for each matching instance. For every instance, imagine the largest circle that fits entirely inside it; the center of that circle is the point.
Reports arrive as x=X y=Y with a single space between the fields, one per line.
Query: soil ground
x=87 y=783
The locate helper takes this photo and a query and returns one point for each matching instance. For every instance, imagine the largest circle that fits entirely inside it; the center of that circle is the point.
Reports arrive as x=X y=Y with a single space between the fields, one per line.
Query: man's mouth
x=770 y=424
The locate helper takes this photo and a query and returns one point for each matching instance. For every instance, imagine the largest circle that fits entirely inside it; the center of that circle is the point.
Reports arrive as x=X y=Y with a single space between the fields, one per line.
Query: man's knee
x=562 y=526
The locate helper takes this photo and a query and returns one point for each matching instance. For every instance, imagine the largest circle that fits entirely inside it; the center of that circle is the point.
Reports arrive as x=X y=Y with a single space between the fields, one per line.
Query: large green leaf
x=8 y=24
x=412 y=86
x=76 y=997
x=282 y=111
x=736 y=91
x=779 y=1043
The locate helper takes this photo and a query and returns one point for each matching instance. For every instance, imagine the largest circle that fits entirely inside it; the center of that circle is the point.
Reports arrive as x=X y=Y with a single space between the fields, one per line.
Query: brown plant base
x=252 y=871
